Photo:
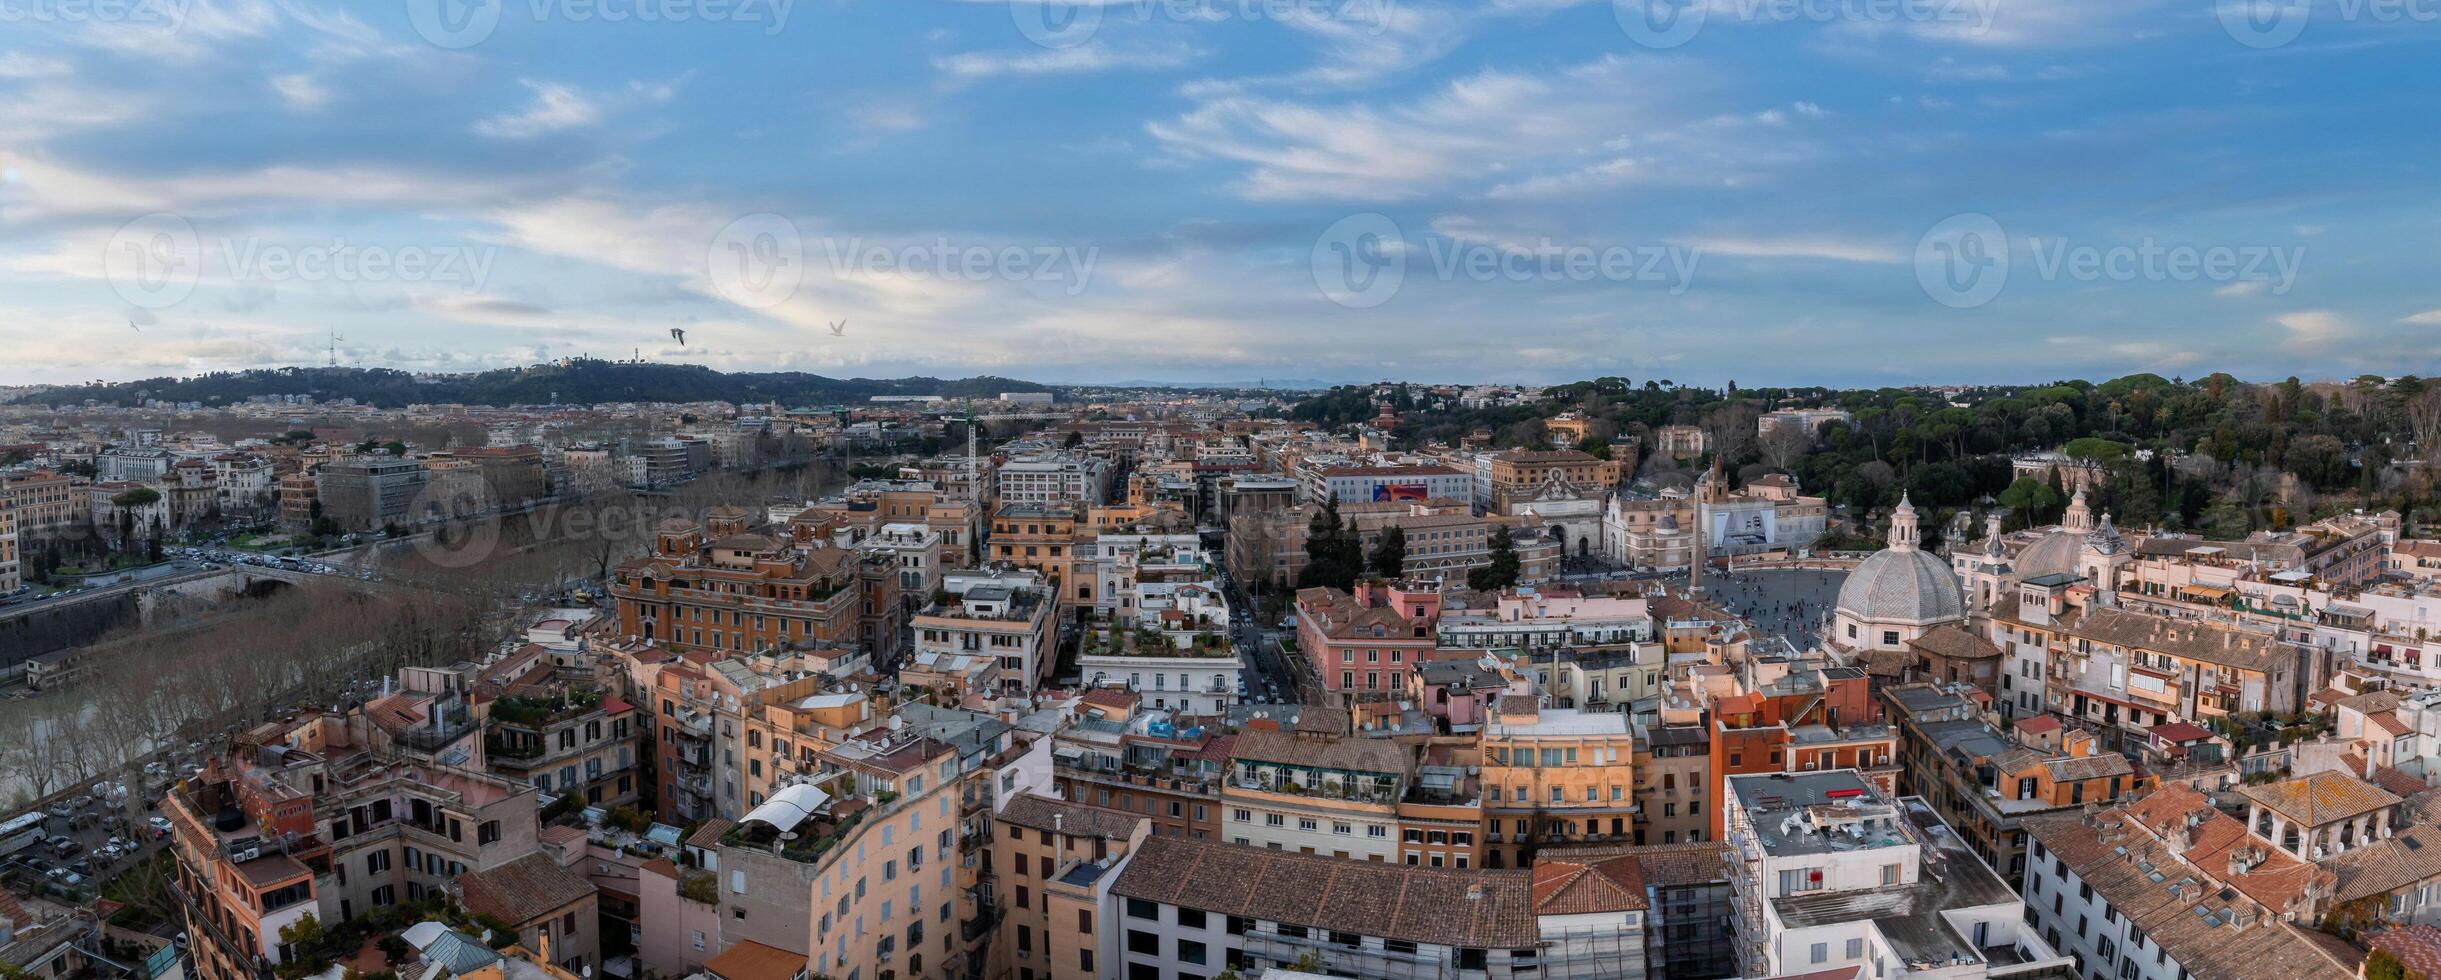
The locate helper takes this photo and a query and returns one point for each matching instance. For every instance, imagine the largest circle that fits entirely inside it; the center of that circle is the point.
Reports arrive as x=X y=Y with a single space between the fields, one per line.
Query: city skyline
x=1978 y=191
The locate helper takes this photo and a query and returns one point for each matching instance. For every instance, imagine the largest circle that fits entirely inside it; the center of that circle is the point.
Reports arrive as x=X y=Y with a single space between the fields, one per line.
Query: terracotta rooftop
x=1482 y=908
x=2416 y=947
x=750 y=960
x=2321 y=798
x=1042 y=813
x=522 y=890
x=1570 y=888
x=2118 y=850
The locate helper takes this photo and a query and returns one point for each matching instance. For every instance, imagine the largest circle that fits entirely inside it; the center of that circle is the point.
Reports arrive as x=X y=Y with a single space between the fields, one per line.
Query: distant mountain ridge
x=580 y=382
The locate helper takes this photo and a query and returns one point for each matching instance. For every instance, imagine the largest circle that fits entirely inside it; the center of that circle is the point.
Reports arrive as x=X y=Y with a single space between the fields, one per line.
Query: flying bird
x=839 y=329
x=679 y=333
x=131 y=325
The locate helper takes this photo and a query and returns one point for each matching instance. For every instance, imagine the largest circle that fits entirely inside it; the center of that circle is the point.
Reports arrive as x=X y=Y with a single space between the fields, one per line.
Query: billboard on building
x=1400 y=491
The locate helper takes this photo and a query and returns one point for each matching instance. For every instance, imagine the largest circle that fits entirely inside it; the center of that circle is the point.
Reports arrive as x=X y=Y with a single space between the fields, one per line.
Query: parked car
x=160 y=826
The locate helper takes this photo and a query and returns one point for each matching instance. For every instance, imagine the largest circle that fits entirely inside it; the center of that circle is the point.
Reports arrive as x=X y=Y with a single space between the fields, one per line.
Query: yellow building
x=1554 y=776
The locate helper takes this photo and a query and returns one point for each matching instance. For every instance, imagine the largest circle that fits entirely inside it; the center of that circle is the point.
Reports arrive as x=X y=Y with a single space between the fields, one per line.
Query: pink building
x=1367 y=644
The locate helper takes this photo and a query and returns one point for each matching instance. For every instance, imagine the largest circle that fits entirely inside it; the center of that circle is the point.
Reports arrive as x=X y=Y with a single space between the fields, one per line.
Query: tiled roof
x=2321 y=798
x=1348 y=754
x=2184 y=639
x=2416 y=947
x=522 y=890
x=1042 y=813
x=750 y=960
x=2095 y=766
x=708 y=836
x=1955 y=642
x=2118 y=851
x=1569 y=888
x=1481 y=908
x=2038 y=725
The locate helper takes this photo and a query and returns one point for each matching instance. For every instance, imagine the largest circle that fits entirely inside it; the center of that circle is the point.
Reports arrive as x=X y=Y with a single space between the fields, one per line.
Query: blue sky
x=1183 y=190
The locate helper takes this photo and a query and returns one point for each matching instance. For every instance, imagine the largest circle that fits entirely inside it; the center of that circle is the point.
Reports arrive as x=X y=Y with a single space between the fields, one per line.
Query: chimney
x=1059 y=823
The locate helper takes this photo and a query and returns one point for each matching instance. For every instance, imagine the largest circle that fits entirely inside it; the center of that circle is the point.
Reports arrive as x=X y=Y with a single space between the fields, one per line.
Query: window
x=487 y=832
x=1822 y=952
x=1140 y=941
x=1192 y=952
x=1890 y=874
x=1188 y=918
x=1138 y=908
x=1856 y=949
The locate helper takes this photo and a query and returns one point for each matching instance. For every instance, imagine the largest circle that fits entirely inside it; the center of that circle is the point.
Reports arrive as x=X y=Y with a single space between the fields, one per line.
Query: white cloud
x=1792 y=247
x=2243 y=288
x=2312 y=331
x=1488 y=125
x=555 y=108
x=2428 y=318
x=302 y=92
x=1080 y=60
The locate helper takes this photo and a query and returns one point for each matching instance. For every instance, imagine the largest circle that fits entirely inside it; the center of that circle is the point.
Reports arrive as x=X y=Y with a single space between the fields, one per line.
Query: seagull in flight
x=839 y=329
x=679 y=333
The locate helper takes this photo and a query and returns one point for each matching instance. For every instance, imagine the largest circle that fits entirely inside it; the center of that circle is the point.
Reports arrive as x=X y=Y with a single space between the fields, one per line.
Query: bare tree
x=1731 y=428
x=1784 y=445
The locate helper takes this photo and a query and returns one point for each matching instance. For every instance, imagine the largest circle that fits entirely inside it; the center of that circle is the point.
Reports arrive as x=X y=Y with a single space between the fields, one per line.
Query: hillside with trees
x=2215 y=455
x=576 y=382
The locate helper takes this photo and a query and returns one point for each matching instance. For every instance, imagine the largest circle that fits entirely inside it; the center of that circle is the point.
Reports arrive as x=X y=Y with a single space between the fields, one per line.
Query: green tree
x=1389 y=558
x=1334 y=557
x=1501 y=572
x=2380 y=965
x=2029 y=500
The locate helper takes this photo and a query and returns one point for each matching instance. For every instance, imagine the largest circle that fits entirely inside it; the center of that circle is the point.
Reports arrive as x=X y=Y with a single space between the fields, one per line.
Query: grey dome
x=1903 y=585
x=2052 y=554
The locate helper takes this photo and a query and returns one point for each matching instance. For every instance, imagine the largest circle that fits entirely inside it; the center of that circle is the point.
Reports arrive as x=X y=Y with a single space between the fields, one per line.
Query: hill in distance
x=580 y=382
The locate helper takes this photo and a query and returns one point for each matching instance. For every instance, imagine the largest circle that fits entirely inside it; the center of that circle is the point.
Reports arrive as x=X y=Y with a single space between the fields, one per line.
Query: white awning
x=790 y=806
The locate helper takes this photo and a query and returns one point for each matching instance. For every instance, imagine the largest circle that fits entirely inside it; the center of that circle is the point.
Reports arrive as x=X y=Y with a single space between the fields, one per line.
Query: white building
x=1830 y=874
x=1536 y=620
x=1051 y=478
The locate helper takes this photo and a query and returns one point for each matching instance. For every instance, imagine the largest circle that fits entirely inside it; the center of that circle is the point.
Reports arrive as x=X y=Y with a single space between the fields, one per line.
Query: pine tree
x=1389 y=559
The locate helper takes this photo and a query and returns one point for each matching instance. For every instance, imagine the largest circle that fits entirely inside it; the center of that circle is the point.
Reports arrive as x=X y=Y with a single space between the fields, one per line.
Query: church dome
x=2056 y=553
x=1903 y=586
x=1903 y=583
x=2052 y=554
